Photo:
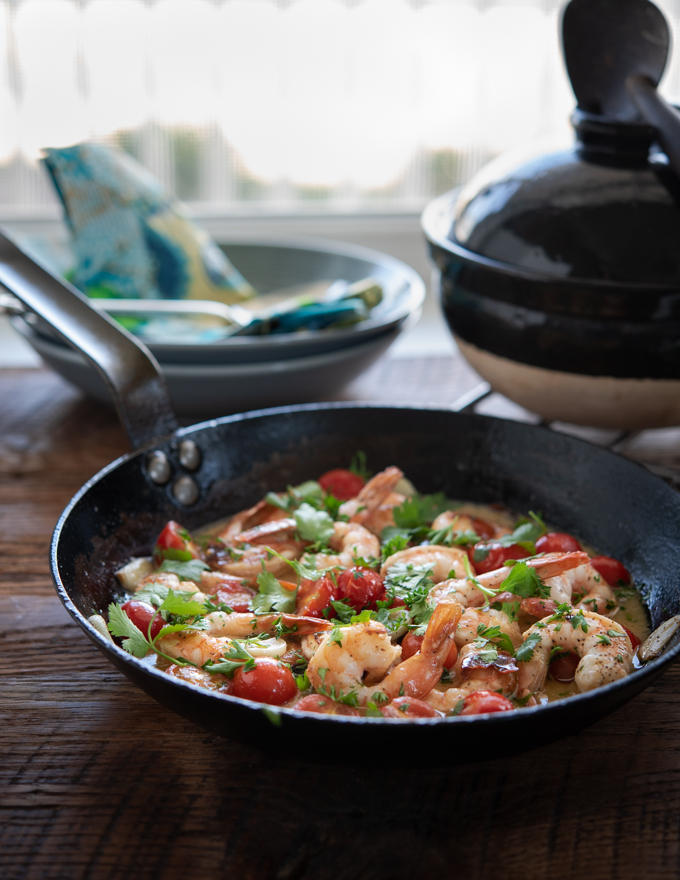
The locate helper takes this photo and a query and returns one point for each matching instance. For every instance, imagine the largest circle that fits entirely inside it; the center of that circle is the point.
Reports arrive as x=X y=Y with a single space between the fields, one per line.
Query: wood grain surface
x=97 y=780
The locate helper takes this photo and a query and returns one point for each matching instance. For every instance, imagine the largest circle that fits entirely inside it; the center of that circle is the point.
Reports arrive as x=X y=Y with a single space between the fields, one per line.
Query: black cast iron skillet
x=612 y=503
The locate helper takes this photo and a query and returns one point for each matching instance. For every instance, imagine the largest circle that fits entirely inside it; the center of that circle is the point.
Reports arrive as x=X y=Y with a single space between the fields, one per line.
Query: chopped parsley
x=189 y=570
x=272 y=596
x=526 y=651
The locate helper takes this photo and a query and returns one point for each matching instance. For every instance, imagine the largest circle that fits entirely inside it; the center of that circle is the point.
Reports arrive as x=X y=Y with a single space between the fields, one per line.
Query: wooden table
x=97 y=780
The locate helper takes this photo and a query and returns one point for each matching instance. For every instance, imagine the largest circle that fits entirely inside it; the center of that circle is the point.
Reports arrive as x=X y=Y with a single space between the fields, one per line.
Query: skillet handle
x=128 y=367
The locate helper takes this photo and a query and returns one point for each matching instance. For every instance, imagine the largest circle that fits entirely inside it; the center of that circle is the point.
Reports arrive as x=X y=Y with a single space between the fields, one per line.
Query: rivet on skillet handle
x=185 y=491
x=128 y=367
x=158 y=467
x=189 y=455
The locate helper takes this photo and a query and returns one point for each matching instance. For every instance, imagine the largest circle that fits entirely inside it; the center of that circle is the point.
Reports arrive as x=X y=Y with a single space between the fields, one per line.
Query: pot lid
x=567 y=214
x=607 y=208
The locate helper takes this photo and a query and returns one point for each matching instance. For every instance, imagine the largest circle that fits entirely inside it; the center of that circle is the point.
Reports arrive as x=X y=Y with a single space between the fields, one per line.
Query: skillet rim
x=275 y=713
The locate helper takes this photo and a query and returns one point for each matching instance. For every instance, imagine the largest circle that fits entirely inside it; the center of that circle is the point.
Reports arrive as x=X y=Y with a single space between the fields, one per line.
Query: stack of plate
x=249 y=372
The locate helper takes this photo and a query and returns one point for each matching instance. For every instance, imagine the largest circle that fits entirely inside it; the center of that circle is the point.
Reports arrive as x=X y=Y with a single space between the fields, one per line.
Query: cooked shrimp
x=248 y=550
x=351 y=540
x=239 y=625
x=464 y=522
x=259 y=513
x=598 y=595
x=473 y=618
x=196 y=647
x=371 y=506
x=467 y=592
x=364 y=656
x=416 y=676
x=604 y=648
x=167 y=579
x=382 y=516
x=441 y=560
x=199 y=647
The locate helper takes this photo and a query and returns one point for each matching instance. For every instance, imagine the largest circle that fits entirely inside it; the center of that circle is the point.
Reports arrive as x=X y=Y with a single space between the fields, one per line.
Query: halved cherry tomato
x=342 y=483
x=557 y=542
x=174 y=542
x=360 y=587
x=409 y=707
x=140 y=613
x=536 y=607
x=481 y=702
x=563 y=667
x=267 y=682
x=634 y=640
x=314 y=596
x=323 y=705
x=496 y=557
x=411 y=643
x=611 y=570
x=230 y=590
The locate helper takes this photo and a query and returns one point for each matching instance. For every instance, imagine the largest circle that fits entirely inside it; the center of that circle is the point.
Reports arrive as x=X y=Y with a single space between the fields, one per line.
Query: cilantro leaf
x=302 y=681
x=303 y=569
x=523 y=581
x=272 y=596
x=419 y=511
x=174 y=553
x=358 y=466
x=185 y=571
x=345 y=612
x=236 y=657
x=578 y=621
x=394 y=540
x=181 y=603
x=495 y=635
x=450 y=537
x=314 y=525
x=134 y=641
x=154 y=594
x=526 y=651
x=172 y=628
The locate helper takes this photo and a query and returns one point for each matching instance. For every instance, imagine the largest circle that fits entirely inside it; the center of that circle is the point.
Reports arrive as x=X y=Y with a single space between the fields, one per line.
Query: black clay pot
x=560 y=277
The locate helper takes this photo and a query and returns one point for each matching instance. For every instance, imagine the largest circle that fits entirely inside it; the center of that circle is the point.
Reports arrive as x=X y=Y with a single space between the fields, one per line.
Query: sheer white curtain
x=281 y=105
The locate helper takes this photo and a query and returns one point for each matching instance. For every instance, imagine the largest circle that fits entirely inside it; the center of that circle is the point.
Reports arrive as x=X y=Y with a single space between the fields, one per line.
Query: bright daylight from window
x=281 y=105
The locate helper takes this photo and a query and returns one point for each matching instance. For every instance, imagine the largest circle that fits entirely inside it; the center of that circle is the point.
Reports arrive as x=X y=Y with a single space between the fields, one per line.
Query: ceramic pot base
x=597 y=401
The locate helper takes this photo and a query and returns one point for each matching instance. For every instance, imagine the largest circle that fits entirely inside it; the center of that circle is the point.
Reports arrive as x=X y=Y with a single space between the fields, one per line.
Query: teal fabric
x=131 y=240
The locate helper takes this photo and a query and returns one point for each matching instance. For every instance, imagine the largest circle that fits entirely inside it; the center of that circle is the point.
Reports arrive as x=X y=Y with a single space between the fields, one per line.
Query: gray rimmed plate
x=271 y=263
x=201 y=391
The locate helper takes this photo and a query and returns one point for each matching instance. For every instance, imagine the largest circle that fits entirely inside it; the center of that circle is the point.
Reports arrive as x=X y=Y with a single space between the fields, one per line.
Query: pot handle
x=128 y=367
x=659 y=113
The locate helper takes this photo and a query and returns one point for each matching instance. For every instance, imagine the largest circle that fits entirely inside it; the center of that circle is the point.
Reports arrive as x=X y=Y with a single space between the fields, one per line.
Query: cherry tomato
x=557 y=542
x=611 y=570
x=342 y=483
x=409 y=707
x=411 y=643
x=233 y=592
x=360 y=587
x=538 y=607
x=174 y=542
x=563 y=667
x=323 y=705
x=314 y=596
x=140 y=613
x=481 y=702
x=496 y=557
x=634 y=640
x=266 y=682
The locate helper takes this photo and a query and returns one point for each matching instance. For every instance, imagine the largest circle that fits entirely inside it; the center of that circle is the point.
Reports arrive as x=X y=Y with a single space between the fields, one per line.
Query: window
x=280 y=105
